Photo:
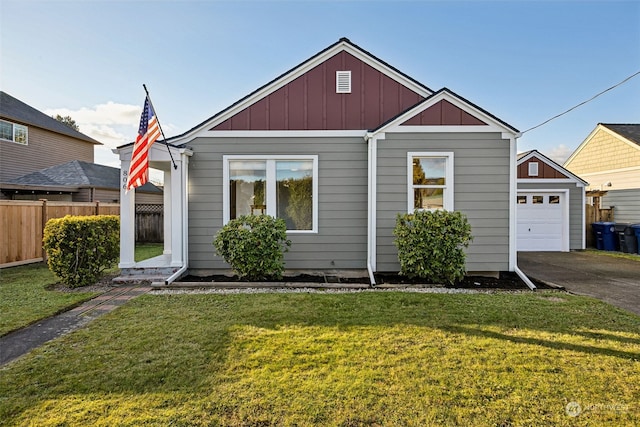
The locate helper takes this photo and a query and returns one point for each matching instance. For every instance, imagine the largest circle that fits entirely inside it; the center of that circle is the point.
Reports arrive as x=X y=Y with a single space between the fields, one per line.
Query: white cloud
x=560 y=153
x=110 y=113
x=112 y=124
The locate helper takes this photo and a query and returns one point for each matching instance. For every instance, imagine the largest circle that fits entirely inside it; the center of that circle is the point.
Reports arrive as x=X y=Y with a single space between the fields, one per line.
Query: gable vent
x=533 y=169
x=343 y=81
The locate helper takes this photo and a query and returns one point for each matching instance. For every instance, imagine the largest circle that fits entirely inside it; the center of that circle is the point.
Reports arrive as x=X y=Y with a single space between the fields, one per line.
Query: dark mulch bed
x=505 y=281
x=104 y=284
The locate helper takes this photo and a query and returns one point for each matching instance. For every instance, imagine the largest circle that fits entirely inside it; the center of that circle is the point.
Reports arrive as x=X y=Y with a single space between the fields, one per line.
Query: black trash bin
x=631 y=238
x=627 y=240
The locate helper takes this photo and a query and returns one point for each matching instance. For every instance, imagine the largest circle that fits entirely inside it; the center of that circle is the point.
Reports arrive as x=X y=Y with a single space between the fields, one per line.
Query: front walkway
x=22 y=341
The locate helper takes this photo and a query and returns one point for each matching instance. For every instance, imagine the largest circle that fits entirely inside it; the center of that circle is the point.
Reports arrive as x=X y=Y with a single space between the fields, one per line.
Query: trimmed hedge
x=430 y=245
x=80 y=248
x=254 y=246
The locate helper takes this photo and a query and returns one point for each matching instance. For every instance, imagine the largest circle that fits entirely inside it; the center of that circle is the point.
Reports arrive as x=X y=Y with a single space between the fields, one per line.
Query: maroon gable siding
x=443 y=113
x=310 y=102
x=545 y=171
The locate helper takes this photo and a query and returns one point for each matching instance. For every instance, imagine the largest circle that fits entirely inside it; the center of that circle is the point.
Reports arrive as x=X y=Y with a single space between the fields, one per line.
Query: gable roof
x=431 y=112
x=78 y=174
x=15 y=110
x=561 y=172
x=344 y=53
x=626 y=133
x=629 y=131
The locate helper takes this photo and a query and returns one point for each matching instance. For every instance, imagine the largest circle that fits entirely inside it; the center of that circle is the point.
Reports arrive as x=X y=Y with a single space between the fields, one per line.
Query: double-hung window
x=430 y=181
x=281 y=186
x=13 y=132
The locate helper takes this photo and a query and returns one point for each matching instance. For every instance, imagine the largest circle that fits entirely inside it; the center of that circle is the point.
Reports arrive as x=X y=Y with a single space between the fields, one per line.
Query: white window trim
x=270 y=186
x=533 y=169
x=13 y=133
x=448 y=188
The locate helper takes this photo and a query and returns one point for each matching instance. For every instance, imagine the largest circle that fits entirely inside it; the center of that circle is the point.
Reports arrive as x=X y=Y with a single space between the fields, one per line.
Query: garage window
x=537 y=200
x=522 y=200
x=430 y=181
x=554 y=200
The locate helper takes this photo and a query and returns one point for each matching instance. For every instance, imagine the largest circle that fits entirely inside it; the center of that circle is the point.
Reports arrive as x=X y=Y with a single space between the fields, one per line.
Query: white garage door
x=541 y=222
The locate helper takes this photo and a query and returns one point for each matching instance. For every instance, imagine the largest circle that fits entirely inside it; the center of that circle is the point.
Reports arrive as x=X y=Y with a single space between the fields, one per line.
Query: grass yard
x=383 y=358
x=25 y=296
x=147 y=250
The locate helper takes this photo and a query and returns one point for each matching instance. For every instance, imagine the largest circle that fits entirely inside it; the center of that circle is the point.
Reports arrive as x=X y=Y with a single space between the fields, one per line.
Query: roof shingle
x=15 y=110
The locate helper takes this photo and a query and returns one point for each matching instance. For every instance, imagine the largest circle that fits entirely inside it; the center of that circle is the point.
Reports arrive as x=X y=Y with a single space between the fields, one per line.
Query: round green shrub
x=431 y=245
x=80 y=248
x=254 y=246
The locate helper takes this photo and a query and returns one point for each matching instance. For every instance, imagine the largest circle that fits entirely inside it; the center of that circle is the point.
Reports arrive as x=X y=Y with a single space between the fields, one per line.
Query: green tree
x=67 y=120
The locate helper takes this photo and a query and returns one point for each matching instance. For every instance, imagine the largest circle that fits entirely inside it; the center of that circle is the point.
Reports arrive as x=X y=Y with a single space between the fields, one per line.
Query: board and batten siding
x=626 y=204
x=341 y=240
x=576 y=208
x=481 y=191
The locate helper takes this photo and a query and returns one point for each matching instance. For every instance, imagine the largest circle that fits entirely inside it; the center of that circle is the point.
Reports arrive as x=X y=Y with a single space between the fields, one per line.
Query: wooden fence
x=149 y=223
x=22 y=225
x=595 y=214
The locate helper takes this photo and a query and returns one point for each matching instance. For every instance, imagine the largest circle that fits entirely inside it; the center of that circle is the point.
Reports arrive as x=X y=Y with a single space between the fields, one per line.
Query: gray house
x=338 y=146
x=77 y=181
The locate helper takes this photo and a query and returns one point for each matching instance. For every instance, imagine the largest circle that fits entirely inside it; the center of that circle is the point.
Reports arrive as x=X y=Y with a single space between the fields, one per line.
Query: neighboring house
x=609 y=158
x=31 y=140
x=551 y=205
x=42 y=158
x=76 y=181
x=337 y=146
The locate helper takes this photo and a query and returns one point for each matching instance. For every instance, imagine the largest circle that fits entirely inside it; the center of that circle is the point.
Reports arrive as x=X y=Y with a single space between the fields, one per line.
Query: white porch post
x=127 y=221
x=175 y=208
x=167 y=212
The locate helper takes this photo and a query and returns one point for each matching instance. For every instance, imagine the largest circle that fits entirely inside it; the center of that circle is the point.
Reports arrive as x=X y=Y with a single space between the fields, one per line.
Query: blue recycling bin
x=605 y=235
x=636 y=230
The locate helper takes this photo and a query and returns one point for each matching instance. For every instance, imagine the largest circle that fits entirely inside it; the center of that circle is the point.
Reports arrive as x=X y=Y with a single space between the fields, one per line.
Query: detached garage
x=550 y=206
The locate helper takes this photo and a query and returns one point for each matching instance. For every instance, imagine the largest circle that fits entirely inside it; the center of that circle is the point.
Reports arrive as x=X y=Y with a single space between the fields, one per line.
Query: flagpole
x=160 y=127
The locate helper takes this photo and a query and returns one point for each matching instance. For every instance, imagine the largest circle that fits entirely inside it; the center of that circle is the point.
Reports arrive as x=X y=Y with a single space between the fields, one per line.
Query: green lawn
x=147 y=250
x=374 y=358
x=25 y=296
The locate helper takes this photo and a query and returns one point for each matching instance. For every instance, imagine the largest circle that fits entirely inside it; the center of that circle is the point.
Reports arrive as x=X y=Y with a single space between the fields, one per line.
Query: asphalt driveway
x=610 y=279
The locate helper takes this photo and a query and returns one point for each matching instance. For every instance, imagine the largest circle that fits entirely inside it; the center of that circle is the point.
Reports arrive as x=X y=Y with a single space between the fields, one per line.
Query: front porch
x=173 y=162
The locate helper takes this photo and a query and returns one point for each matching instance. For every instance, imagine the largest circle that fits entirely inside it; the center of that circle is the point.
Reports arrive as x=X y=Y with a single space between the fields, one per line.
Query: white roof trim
x=282 y=133
x=492 y=124
x=549 y=181
x=602 y=127
x=297 y=72
x=554 y=165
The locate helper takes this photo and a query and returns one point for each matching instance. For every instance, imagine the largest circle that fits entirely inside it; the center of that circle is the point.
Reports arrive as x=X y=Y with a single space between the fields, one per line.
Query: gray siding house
x=334 y=146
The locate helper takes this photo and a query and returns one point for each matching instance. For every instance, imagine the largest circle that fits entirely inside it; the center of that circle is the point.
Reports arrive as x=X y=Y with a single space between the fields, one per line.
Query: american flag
x=148 y=132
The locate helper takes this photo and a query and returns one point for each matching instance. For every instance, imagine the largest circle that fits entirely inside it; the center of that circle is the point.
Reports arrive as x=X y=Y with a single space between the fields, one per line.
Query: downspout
x=514 y=221
x=185 y=222
x=370 y=203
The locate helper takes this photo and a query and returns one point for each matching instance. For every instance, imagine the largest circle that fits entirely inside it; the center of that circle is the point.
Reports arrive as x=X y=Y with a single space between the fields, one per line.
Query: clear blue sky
x=522 y=61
